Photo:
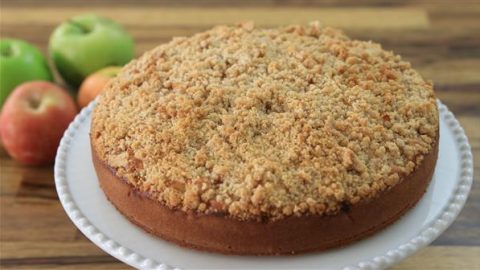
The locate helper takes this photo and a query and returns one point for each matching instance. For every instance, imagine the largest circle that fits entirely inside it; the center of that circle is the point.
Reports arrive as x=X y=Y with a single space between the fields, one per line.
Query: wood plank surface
x=381 y=18
x=440 y=38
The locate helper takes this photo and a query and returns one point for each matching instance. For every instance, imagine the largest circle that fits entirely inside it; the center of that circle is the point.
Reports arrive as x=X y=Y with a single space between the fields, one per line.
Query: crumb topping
x=265 y=123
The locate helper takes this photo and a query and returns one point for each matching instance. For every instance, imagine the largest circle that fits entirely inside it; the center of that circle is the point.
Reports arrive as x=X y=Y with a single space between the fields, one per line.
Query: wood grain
x=382 y=18
x=440 y=39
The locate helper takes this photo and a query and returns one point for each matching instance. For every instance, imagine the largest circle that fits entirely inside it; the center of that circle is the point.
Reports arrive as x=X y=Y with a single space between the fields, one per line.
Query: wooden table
x=440 y=38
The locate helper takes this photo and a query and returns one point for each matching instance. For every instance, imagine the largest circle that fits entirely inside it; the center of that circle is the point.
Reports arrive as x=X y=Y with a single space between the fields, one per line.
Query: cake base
x=290 y=235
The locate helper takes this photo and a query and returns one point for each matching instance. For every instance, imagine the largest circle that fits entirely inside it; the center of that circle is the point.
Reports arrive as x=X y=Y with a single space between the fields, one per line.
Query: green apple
x=20 y=62
x=87 y=43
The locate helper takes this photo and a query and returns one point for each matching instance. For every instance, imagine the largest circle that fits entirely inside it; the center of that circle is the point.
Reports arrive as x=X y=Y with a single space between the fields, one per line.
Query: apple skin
x=94 y=84
x=87 y=43
x=33 y=121
x=20 y=62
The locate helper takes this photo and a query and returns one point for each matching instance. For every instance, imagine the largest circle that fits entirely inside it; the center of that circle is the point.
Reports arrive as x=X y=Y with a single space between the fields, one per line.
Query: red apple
x=33 y=120
x=94 y=83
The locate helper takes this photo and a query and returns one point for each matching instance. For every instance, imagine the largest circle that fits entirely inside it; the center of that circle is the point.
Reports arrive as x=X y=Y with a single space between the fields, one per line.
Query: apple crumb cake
x=265 y=141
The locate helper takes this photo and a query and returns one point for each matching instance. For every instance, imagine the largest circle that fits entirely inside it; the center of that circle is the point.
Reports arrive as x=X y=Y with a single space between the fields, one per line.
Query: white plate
x=88 y=208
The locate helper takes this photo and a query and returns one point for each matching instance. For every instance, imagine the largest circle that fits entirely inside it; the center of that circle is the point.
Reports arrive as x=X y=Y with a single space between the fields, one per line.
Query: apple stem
x=82 y=27
x=6 y=51
x=34 y=102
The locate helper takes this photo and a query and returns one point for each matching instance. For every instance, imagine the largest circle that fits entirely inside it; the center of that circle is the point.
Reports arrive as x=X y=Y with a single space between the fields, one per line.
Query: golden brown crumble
x=265 y=122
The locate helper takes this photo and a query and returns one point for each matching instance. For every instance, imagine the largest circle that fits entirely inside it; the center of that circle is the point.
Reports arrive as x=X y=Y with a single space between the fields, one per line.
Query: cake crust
x=265 y=124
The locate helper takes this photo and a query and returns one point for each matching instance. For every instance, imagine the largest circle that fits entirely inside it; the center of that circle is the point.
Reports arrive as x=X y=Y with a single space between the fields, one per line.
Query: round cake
x=265 y=141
